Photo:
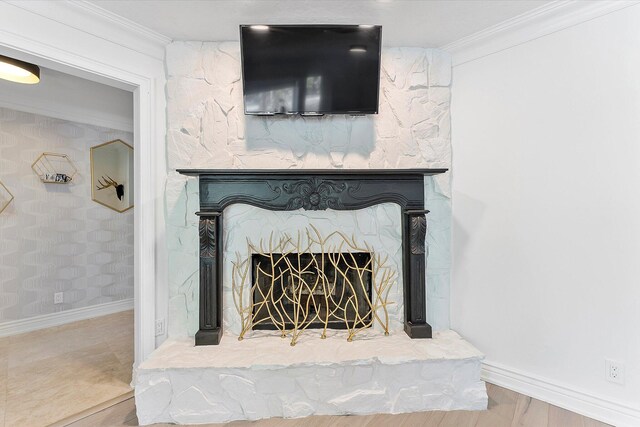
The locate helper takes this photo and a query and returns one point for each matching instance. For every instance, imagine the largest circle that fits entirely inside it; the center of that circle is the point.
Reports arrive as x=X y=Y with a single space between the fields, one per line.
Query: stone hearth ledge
x=263 y=377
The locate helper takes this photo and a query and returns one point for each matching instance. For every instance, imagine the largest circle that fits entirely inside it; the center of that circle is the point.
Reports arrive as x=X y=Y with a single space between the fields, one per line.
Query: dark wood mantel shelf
x=308 y=172
x=311 y=189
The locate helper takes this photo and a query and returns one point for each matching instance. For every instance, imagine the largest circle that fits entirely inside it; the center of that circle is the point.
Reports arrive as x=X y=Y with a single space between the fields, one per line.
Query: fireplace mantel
x=311 y=189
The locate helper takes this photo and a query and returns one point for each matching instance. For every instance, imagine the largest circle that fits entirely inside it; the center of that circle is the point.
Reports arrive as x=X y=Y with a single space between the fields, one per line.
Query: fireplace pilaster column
x=414 y=229
x=210 y=229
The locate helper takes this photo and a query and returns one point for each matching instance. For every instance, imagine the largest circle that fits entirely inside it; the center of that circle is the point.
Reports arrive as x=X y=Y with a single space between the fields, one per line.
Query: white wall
x=54 y=237
x=546 y=211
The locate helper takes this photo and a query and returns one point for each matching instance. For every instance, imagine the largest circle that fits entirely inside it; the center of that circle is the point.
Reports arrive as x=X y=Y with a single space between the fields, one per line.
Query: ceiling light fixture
x=358 y=48
x=366 y=26
x=259 y=27
x=18 y=71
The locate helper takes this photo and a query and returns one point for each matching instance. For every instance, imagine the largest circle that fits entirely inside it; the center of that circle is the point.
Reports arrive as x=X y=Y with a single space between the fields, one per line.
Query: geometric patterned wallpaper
x=54 y=238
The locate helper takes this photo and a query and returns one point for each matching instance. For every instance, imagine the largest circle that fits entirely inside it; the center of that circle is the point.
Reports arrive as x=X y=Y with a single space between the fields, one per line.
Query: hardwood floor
x=52 y=373
x=76 y=375
x=506 y=409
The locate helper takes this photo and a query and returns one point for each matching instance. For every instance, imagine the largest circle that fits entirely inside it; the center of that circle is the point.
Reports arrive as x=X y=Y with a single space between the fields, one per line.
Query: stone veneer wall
x=208 y=129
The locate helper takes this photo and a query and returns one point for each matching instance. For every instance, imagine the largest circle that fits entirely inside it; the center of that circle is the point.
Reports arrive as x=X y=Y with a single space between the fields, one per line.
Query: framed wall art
x=112 y=175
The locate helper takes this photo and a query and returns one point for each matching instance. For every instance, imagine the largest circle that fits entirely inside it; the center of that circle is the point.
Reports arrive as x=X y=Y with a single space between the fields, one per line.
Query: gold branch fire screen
x=312 y=282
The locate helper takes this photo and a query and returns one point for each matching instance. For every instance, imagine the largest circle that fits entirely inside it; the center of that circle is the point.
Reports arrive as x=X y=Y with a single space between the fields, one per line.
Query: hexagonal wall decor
x=54 y=168
x=5 y=197
x=112 y=175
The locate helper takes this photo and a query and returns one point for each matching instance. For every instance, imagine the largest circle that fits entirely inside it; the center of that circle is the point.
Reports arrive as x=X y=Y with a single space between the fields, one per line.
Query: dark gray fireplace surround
x=320 y=189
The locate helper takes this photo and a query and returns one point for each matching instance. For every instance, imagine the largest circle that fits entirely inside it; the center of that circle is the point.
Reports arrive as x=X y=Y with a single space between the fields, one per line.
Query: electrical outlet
x=614 y=371
x=159 y=327
x=58 y=298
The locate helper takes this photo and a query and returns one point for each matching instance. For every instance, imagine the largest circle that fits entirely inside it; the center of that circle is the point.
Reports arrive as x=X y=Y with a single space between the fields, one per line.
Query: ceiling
x=405 y=22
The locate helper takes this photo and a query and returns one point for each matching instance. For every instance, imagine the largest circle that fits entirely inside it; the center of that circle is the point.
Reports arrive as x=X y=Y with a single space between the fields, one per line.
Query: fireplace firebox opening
x=285 y=285
x=331 y=289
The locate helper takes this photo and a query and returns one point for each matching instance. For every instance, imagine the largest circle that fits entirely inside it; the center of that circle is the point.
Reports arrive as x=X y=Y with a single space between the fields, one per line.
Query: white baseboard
x=580 y=402
x=63 y=317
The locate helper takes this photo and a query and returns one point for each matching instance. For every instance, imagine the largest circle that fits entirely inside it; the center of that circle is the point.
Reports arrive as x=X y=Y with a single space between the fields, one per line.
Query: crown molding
x=94 y=20
x=541 y=21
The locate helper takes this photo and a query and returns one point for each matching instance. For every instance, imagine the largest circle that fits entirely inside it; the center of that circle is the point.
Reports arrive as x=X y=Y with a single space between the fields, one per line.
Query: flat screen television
x=310 y=69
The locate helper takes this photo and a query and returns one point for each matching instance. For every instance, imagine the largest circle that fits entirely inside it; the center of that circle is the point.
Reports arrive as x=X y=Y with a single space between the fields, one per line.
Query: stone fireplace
x=207 y=129
x=368 y=176
x=286 y=190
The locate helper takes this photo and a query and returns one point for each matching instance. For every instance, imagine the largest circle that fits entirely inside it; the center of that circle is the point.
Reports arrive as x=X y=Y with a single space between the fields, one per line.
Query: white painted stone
x=221 y=63
x=184 y=59
x=276 y=385
x=264 y=377
x=355 y=375
x=157 y=390
x=180 y=147
x=207 y=128
x=186 y=95
x=439 y=68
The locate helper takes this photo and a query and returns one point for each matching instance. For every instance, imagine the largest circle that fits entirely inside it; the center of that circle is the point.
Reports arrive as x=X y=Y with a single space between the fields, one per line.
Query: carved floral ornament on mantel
x=314 y=194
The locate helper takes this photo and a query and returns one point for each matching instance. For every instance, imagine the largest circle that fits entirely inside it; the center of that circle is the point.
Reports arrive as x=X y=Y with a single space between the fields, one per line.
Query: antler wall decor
x=109 y=160
x=106 y=182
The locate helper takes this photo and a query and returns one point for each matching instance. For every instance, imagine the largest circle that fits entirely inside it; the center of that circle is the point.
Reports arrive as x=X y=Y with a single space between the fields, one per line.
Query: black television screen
x=310 y=69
